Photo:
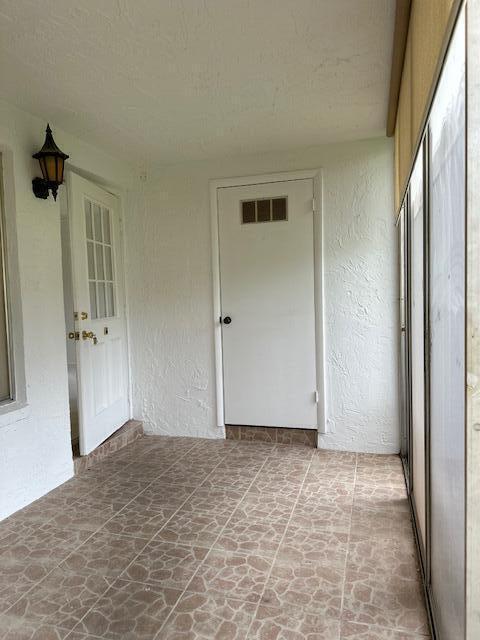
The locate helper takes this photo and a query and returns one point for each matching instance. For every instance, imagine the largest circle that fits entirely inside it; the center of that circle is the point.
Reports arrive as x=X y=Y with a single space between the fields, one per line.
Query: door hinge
x=315 y=395
x=313 y=205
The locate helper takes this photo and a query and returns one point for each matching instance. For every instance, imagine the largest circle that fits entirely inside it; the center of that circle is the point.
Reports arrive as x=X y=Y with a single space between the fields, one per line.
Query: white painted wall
x=35 y=452
x=170 y=294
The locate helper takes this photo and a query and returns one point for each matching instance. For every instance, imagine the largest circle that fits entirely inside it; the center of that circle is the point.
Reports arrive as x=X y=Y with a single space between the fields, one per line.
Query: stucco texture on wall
x=169 y=283
x=35 y=445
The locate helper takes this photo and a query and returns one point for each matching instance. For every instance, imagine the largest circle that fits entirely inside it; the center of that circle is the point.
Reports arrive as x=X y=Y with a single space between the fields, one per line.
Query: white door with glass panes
x=99 y=299
x=268 y=304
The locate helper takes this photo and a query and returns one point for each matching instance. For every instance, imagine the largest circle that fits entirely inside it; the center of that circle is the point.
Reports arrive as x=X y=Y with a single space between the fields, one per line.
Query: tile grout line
x=278 y=548
x=269 y=457
x=212 y=548
x=348 y=542
x=113 y=580
x=228 y=453
x=89 y=538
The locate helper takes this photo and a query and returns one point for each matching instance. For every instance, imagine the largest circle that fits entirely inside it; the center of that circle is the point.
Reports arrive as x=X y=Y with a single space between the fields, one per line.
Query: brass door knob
x=89 y=335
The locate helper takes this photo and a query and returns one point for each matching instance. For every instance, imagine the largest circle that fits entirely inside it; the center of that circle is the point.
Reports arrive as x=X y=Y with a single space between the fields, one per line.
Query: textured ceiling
x=177 y=80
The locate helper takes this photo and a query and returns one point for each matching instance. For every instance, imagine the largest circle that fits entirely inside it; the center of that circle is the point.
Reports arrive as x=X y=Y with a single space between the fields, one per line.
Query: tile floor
x=178 y=538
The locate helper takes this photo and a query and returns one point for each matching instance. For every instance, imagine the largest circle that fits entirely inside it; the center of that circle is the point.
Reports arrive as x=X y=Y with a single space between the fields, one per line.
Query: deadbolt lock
x=89 y=335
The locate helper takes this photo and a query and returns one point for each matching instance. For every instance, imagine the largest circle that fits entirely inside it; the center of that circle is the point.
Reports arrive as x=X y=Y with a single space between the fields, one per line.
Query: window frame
x=14 y=408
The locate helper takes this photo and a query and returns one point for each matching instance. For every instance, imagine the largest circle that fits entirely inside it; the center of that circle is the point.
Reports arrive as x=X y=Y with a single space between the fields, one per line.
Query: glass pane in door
x=100 y=257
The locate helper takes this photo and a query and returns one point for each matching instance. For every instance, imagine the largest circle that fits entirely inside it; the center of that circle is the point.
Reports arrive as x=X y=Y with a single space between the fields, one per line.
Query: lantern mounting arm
x=40 y=188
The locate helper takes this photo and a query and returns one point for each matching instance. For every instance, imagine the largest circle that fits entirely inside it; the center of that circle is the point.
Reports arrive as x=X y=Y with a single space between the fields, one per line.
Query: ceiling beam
x=402 y=17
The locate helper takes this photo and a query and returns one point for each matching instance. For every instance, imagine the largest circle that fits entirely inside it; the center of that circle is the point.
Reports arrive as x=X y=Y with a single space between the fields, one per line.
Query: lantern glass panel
x=43 y=167
x=51 y=166
x=61 y=164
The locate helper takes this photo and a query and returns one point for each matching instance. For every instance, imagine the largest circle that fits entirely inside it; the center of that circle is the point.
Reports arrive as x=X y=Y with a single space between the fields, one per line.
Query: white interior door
x=99 y=299
x=267 y=291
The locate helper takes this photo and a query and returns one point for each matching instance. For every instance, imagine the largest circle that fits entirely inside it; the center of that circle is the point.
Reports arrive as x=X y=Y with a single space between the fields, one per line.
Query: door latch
x=74 y=335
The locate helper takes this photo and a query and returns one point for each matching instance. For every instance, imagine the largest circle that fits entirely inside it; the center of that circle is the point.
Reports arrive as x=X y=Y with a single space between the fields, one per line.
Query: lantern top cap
x=49 y=147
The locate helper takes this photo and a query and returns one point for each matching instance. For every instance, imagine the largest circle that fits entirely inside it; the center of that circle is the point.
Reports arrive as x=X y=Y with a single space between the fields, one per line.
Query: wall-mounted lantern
x=52 y=162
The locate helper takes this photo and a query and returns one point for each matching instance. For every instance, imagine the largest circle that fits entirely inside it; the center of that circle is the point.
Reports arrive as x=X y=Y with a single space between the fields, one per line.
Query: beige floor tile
x=181 y=474
x=117 y=493
x=380 y=496
x=336 y=492
x=250 y=536
x=377 y=523
x=268 y=481
x=61 y=599
x=139 y=521
x=288 y=623
x=231 y=479
x=206 y=617
x=182 y=538
x=381 y=557
x=301 y=546
x=84 y=517
x=217 y=501
x=328 y=474
x=313 y=588
x=47 y=545
x=237 y=576
x=160 y=494
x=129 y=611
x=314 y=515
x=193 y=527
x=17 y=578
x=296 y=468
x=275 y=508
x=295 y=452
x=390 y=602
x=353 y=631
x=12 y=629
x=104 y=553
x=78 y=635
x=165 y=564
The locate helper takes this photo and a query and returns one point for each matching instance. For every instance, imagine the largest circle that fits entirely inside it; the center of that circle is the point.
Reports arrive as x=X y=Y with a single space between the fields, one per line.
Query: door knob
x=89 y=335
x=227 y=320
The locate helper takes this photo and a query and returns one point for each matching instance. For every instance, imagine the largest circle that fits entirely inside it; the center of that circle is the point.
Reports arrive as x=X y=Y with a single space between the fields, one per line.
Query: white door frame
x=215 y=185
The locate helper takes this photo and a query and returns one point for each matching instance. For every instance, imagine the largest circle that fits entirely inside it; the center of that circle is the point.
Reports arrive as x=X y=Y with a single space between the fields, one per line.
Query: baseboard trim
x=273 y=435
x=128 y=433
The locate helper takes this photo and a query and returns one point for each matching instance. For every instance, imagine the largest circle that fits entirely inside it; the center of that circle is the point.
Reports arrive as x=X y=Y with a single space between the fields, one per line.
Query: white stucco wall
x=35 y=452
x=170 y=294
x=169 y=297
